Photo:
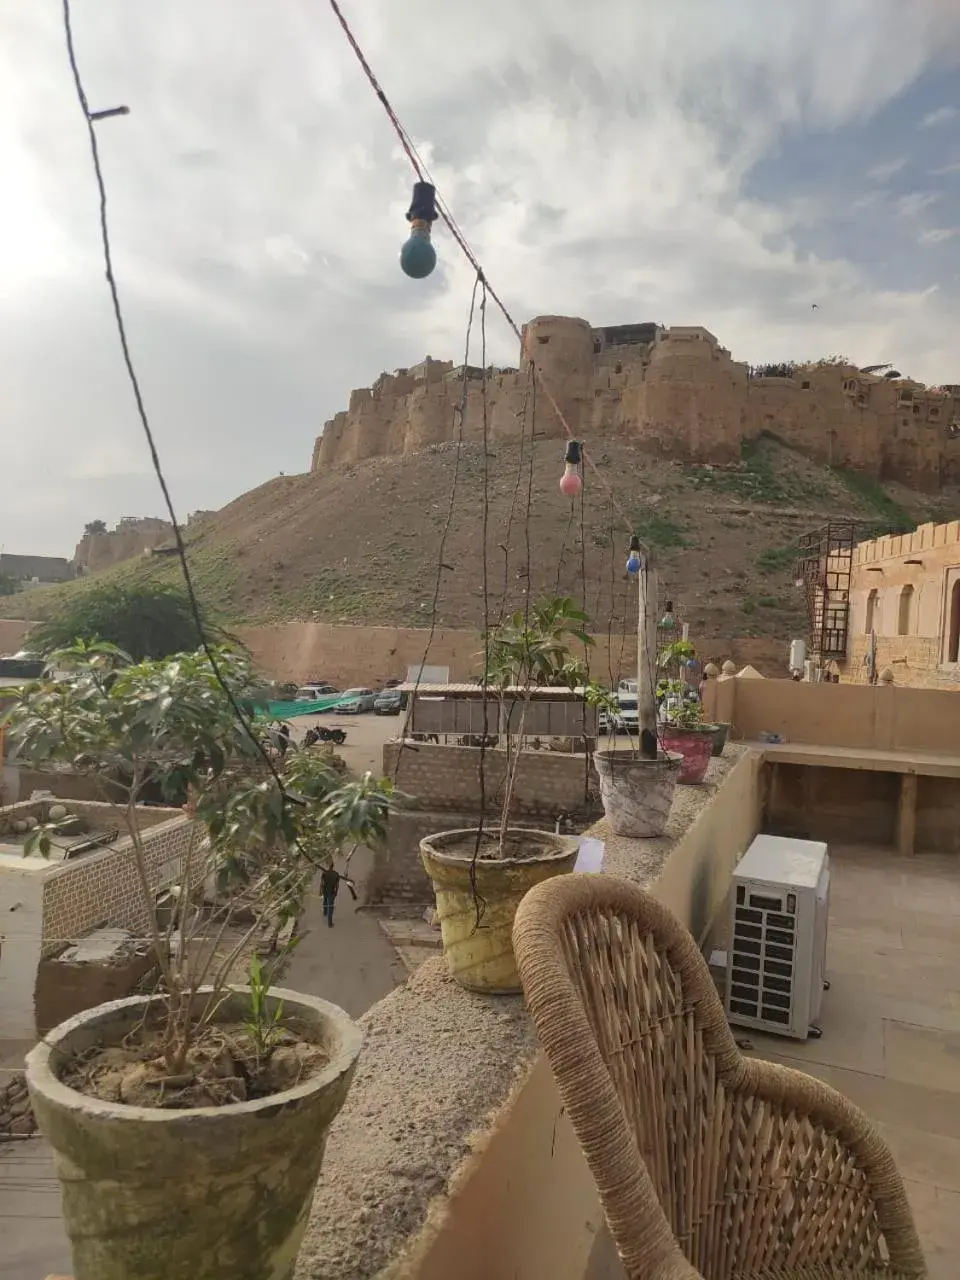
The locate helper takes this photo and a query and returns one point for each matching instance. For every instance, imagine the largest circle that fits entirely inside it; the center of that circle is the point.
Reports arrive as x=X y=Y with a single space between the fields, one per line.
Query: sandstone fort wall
x=676 y=391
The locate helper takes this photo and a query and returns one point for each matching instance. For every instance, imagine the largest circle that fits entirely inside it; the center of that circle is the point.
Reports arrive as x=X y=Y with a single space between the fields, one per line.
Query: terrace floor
x=891 y=1024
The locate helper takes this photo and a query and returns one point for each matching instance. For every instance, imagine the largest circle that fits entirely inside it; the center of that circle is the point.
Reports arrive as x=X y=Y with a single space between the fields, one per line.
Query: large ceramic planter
x=720 y=734
x=199 y=1194
x=696 y=747
x=637 y=793
x=480 y=956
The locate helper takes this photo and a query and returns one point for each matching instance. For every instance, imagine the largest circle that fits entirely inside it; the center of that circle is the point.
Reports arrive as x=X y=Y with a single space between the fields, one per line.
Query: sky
x=725 y=164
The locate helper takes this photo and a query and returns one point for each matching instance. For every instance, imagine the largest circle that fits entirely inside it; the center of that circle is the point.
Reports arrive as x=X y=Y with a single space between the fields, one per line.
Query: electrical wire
x=91 y=120
x=423 y=174
x=479 y=902
x=459 y=414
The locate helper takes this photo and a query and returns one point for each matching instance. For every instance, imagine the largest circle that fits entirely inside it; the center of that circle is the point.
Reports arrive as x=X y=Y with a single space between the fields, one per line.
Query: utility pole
x=640 y=564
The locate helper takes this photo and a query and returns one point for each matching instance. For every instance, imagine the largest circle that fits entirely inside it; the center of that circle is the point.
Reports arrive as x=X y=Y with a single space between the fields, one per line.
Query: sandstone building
x=905 y=608
x=675 y=390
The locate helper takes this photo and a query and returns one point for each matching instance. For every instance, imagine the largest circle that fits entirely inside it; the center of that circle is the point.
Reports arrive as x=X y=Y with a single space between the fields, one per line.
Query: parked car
x=355 y=701
x=313 y=692
x=390 y=702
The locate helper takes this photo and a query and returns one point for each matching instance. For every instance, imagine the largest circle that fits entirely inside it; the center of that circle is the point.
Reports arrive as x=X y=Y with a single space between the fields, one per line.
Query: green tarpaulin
x=287 y=710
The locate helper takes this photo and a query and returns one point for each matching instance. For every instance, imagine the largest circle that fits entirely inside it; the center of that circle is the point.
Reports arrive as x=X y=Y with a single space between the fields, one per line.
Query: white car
x=314 y=692
x=355 y=701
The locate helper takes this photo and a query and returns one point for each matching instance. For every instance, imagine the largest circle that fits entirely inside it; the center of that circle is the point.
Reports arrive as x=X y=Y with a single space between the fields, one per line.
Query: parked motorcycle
x=323 y=734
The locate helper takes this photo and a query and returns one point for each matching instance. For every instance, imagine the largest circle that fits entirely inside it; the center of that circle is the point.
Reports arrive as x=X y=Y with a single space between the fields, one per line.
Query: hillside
x=360 y=543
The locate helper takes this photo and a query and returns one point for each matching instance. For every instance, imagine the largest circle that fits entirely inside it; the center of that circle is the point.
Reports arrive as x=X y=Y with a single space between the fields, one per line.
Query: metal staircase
x=823 y=571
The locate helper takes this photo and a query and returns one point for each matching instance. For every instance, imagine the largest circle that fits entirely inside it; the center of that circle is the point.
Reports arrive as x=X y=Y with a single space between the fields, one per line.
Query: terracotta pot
x=480 y=956
x=194 y=1194
x=694 y=745
x=637 y=793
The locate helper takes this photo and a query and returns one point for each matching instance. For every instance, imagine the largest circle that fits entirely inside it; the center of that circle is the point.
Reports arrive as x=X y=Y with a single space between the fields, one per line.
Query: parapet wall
x=131 y=537
x=676 y=391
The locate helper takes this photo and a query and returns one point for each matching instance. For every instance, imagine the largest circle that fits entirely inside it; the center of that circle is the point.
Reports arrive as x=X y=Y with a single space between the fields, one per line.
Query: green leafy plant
x=169 y=722
x=144 y=619
x=528 y=652
x=264 y=1028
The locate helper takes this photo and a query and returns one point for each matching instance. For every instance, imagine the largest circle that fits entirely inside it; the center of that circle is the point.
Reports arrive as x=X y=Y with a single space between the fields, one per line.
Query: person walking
x=329 y=888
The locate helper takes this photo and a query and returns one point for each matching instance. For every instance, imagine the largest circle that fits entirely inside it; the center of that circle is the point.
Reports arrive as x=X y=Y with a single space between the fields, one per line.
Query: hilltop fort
x=673 y=391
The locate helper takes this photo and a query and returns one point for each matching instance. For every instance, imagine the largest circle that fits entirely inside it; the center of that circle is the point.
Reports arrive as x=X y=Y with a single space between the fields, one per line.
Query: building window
x=934 y=412
x=904 y=619
x=543 y=341
x=871 y=617
x=953 y=639
x=916 y=411
x=805 y=386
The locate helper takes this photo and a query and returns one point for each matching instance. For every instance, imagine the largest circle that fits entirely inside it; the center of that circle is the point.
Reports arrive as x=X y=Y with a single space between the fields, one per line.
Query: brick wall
x=441 y=777
x=441 y=791
x=103 y=888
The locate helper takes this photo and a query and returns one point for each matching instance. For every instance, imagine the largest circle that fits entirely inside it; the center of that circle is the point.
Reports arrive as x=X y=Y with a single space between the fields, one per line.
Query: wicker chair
x=709 y=1165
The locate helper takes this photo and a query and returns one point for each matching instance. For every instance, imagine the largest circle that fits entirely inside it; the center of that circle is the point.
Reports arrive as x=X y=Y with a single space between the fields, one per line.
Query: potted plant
x=480 y=874
x=188 y=1126
x=636 y=789
x=684 y=732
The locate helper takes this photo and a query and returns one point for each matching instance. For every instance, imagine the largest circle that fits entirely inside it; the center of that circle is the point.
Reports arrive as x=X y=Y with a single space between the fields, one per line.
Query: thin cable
x=513 y=501
x=459 y=413
x=91 y=119
x=423 y=174
x=480 y=905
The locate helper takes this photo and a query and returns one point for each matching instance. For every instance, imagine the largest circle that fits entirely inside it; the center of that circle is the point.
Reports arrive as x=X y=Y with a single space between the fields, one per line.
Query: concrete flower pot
x=198 y=1194
x=637 y=793
x=480 y=957
x=694 y=745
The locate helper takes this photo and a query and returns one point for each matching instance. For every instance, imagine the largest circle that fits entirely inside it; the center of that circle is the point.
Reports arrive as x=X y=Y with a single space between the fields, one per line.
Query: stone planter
x=637 y=793
x=480 y=956
x=694 y=745
x=194 y=1194
x=720 y=734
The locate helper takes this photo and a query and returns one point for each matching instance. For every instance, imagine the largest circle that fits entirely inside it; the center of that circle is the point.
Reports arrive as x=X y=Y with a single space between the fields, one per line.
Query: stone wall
x=345 y=655
x=131 y=537
x=103 y=888
x=441 y=785
x=906 y=590
x=548 y=783
x=680 y=394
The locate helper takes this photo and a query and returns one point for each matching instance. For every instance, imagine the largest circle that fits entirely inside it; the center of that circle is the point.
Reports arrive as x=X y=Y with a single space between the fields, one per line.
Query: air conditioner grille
x=762 y=963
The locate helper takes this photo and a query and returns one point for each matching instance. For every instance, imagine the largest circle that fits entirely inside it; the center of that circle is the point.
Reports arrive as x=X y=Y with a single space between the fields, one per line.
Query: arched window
x=870 y=619
x=904 y=614
x=953 y=639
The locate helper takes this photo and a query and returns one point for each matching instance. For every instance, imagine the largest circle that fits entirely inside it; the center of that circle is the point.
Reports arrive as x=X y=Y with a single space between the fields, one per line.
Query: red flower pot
x=696 y=747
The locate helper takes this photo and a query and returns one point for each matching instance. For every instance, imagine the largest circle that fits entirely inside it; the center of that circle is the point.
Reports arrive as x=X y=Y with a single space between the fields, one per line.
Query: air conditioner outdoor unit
x=779 y=903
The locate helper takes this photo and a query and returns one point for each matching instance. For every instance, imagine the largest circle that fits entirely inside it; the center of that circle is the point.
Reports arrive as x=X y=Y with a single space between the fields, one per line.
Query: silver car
x=355 y=701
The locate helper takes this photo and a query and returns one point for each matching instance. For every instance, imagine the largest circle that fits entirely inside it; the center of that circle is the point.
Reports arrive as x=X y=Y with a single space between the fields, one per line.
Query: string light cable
x=92 y=119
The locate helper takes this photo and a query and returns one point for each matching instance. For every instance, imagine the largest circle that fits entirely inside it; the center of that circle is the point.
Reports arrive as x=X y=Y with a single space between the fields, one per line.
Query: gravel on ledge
x=437 y=1064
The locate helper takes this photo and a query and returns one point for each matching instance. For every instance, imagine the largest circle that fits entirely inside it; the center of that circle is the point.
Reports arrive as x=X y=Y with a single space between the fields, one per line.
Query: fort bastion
x=674 y=391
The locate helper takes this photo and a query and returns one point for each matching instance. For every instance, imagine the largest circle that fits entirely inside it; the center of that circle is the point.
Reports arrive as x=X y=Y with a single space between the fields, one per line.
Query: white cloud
x=946 y=169
x=257 y=200
x=938 y=235
x=914 y=203
x=942 y=115
x=883 y=172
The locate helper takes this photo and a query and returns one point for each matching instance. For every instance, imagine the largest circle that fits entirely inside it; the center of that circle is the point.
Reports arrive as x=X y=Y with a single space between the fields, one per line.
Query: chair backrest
x=632 y=1026
x=699 y=1155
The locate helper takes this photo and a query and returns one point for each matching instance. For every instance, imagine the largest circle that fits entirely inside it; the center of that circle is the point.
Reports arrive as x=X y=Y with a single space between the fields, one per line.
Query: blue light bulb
x=633 y=564
x=418 y=256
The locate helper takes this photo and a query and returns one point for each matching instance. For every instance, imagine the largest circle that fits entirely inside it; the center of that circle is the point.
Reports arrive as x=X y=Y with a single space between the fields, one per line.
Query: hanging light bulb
x=668 y=622
x=633 y=563
x=570 y=482
x=418 y=256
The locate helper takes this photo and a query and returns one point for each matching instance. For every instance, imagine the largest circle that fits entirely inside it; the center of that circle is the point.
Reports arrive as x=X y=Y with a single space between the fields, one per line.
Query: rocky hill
x=362 y=543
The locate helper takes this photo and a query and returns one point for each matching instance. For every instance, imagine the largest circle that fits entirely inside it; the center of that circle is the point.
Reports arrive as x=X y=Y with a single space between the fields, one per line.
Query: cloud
x=938 y=235
x=945 y=169
x=257 y=198
x=914 y=203
x=883 y=172
x=942 y=115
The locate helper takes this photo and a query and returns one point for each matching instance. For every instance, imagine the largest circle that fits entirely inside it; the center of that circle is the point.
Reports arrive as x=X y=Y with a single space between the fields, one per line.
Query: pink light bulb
x=570 y=482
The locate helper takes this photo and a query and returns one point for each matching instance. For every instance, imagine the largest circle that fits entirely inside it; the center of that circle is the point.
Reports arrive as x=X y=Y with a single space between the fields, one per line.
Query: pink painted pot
x=696 y=747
